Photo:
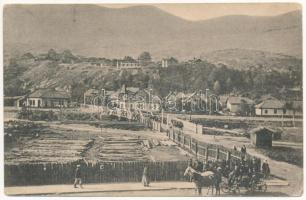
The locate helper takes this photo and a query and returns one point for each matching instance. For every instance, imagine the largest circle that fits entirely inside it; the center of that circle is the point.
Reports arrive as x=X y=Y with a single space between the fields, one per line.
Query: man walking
x=145 y=177
x=78 y=177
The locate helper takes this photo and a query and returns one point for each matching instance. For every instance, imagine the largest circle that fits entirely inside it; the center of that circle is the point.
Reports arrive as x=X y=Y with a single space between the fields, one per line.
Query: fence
x=204 y=150
x=55 y=173
x=200 y=149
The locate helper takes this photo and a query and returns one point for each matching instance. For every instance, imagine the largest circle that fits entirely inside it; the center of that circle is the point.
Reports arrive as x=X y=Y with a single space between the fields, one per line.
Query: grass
x=292 y=134
x=285 y=154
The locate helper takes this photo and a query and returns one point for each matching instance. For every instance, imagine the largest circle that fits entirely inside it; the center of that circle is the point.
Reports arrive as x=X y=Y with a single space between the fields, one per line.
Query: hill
x=244 y=59
x=106 y=32
x=273 y=74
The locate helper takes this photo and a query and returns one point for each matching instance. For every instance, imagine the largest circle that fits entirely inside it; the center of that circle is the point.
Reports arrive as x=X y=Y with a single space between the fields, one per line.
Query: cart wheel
x=224 y=188
x=237 y=190
x=264 y=187
x=248 y=188
x=253 y=187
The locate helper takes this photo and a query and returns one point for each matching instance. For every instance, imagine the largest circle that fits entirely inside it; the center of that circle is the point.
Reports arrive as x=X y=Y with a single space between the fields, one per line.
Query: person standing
x=265 y=169
x=218 y=180
x=78 y=177
x=145 y=177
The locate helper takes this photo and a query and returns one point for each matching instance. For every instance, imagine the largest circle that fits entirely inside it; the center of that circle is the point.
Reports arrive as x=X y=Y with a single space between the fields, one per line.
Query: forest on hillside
x=186 y=76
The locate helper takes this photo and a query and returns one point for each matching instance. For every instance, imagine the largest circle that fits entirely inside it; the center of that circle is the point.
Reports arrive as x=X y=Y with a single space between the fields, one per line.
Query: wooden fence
x=205 y=151
x=103 y=172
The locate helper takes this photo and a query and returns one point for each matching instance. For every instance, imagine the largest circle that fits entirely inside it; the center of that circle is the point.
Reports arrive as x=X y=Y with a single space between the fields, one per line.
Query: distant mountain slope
x=105 y=32
x=243 y=59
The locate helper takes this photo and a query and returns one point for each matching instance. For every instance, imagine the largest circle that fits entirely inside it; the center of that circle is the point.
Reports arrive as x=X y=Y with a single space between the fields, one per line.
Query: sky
x=196 y=12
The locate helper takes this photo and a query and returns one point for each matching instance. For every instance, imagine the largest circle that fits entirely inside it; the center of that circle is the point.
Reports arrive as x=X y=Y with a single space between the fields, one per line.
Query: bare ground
x=70 y=142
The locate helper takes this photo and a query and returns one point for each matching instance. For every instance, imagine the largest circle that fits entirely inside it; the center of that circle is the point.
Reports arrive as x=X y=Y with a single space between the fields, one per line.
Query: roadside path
x=106 y=187
x=175 y=188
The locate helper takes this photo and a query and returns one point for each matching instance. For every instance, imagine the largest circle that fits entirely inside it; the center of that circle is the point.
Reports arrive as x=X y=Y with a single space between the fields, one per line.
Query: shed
x=261 y=137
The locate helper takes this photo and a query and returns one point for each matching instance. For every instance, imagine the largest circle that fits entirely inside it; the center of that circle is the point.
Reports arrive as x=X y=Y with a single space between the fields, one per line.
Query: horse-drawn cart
x=253 y=184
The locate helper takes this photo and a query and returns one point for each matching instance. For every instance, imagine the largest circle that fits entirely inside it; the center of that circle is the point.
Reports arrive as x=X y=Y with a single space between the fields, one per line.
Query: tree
x=173 y=60
x=67 y=57
x=217 y=87
x=144 y=58
x=52 y=55
x=128 y=59
x=77 y=92
x=229 y=85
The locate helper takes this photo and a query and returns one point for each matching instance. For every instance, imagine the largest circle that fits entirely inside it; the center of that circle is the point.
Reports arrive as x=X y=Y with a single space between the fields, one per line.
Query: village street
x=290 y=173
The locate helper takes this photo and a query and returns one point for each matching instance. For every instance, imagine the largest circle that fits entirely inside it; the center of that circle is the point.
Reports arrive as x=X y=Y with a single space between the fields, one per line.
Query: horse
x=201 y=179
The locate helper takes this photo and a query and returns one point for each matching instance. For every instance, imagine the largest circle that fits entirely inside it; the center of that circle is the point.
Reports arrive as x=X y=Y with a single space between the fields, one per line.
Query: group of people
x=234 y=170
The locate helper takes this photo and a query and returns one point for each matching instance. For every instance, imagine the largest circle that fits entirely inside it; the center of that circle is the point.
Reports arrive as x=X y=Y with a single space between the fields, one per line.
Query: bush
x=37 y=115
x=80 y=116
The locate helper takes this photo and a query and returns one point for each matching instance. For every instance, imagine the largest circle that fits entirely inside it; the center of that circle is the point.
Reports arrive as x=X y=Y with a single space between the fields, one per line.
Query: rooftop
x=271 y=103
x=49 y=93
x=261 y=129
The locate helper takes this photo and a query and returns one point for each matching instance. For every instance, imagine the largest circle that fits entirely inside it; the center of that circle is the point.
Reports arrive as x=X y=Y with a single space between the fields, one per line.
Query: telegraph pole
x=206 y=106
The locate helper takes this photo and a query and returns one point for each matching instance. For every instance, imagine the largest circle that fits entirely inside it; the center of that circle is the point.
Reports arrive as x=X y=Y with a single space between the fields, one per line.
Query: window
x=284 y=111
x=275 y=111
x=266 y=111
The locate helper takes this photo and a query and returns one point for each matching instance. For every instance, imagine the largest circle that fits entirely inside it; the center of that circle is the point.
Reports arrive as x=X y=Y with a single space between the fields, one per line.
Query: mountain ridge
x=132 y=30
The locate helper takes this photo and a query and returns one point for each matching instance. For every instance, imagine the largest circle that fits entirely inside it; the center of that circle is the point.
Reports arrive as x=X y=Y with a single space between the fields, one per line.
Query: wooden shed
x=261 y=137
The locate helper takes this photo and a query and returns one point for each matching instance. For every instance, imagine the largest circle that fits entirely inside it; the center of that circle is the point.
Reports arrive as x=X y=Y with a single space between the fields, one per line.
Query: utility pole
x=206 y=106
x=210 y=105
x=216 y=104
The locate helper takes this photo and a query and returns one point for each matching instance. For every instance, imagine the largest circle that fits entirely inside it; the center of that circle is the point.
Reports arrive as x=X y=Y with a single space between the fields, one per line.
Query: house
x=128 y=65
x=125 y=97
x=175 y=101
x=149 y=101
x=90 y=94
x=166 y=62
x=241 y=105
x=170 y=101
x=133 y=98
x=17 y=101
x=48 y=98
x=274 y=107
x=270 y=107
x=261 y=137
x=195 y=102
x=223 y=100
x=114 y=99
x=297 y=107
x=179 y=101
